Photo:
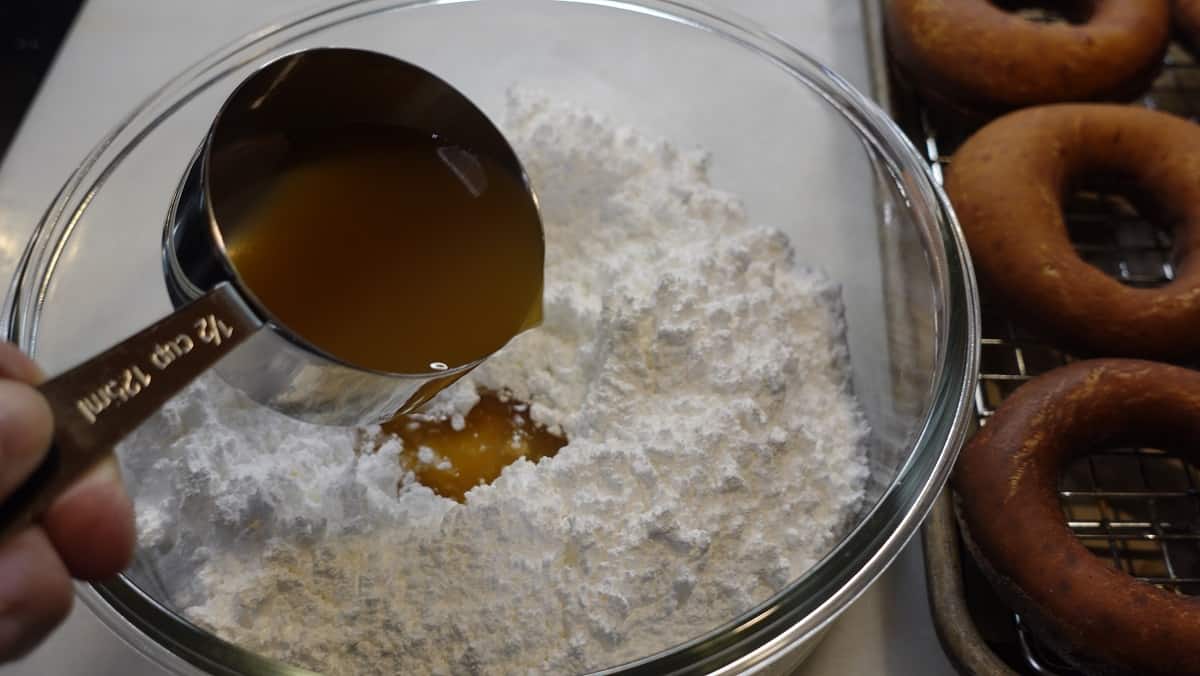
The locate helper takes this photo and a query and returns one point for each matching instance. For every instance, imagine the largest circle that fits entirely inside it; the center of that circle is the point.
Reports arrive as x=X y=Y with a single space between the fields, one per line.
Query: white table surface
x=120 y=50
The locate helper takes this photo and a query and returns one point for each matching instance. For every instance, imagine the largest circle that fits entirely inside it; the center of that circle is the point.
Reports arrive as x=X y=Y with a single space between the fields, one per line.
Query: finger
x=35 y=592
x=25 y=430
x=14 y=365
x=91 y=525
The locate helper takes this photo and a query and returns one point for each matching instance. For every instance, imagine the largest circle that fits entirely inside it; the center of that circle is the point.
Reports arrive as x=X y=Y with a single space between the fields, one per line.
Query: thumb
x=26 y=427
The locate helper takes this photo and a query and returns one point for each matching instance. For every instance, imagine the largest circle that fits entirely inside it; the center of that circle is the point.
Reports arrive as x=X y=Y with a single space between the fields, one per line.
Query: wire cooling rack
x=1137 y=508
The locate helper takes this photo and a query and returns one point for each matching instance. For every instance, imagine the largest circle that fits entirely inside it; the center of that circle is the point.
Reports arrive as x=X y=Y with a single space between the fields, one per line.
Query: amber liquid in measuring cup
x=402 y=252
x=393 y=250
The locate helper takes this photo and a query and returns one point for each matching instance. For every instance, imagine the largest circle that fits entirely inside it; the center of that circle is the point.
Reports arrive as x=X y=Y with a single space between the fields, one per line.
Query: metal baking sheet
x=1139 y=508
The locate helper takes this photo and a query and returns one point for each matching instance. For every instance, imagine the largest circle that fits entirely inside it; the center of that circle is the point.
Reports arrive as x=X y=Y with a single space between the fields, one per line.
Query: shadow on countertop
x=30 y=34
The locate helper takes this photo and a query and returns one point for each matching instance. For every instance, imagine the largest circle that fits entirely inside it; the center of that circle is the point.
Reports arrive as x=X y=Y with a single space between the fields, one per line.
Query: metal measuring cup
x=98 y=402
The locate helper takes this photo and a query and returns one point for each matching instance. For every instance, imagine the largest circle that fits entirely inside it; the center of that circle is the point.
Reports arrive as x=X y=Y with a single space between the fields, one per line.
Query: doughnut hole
x=1140 y=511
x=1074 y=12
x=1112 y=234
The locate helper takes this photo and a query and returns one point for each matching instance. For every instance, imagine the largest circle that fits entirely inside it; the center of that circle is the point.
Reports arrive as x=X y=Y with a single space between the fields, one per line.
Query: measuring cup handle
x=98 y=402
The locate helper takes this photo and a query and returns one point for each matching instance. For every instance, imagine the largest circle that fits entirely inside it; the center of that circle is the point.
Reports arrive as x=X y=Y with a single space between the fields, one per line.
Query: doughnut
x=1007 y=184
x=1185 y=14
x=1096 y=616
x=979 y=56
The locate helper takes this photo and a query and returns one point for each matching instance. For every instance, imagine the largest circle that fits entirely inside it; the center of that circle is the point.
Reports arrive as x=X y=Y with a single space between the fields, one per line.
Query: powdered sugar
x=714 y=452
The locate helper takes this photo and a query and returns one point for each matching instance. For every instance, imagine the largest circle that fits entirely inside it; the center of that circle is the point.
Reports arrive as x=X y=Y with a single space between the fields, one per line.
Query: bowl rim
x=762 y=634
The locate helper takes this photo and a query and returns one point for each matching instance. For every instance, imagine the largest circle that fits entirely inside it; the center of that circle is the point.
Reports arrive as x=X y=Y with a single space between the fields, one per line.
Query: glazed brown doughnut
x=983 y=58
x=1006 y=488
x=1007 y=184
x=1185 y=14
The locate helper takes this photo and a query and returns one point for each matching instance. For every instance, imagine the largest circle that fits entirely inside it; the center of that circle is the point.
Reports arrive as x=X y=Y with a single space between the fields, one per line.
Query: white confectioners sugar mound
x=715 y=452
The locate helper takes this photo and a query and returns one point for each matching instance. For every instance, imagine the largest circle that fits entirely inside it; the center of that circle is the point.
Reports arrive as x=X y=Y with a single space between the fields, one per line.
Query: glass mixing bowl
x=804 y=150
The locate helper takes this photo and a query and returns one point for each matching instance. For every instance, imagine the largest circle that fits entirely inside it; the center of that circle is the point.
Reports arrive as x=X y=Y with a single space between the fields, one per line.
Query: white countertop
x=119 y=51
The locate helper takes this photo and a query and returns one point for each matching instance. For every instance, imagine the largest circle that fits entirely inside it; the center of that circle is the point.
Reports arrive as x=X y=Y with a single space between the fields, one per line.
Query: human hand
x=88 y=533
